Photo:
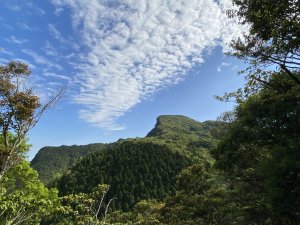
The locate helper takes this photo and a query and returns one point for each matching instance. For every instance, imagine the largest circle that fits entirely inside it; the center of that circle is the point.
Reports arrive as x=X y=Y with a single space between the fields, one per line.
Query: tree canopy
x=135 y=170
x=260 y=154
x=273 y=41
x=23 y=198
x=20 y=110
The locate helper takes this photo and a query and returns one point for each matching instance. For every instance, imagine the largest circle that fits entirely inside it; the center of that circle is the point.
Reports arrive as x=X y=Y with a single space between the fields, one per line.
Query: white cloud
x=57 y=76
x=25 y=26
x=14 y=40
x=38 y=59
x=58 y=36
x=133 y=48
x=13 y=7
x=55 y=33
x=58 y=11
x=50 y=50
x=27 y=7
x=6 y=52
x=35 y=9
x=223 y=64
x=230 y=30
x=7 y=26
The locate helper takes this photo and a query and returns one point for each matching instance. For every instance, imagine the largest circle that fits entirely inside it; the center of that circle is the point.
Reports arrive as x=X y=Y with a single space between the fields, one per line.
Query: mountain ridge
x=181 y=134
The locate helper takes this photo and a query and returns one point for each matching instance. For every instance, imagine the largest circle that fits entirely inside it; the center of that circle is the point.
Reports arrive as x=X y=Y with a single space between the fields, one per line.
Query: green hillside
x=52 y=162
x=134 y=169
x=192 y=138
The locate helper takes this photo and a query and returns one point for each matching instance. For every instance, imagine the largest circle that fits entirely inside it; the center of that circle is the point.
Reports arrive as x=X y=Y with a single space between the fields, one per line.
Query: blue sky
x=122 y=62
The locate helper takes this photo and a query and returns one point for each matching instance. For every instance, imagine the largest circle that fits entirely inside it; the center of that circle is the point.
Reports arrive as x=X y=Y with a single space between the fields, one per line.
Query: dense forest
x=52 y=162
x=134 y=170
x=243 y=170
x=182 y=134
x=187 y=136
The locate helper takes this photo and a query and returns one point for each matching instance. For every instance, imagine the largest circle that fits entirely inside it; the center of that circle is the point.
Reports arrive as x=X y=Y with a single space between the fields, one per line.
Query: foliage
x=135 y=170
x=273 y=42
x=260 y=154
x=81 y=209
x=187 y=136
x=145 y=212
x=52 y=162
x=201 y=198
x=254 y=179
x=23 y=198
x=20 y=110
x=22 y=148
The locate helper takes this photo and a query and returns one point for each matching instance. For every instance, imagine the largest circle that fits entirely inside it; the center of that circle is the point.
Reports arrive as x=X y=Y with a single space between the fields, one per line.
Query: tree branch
x=288 y=72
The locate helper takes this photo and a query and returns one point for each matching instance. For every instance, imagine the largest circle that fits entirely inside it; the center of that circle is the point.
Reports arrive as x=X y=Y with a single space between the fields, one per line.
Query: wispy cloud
x=13 y=7
x=25 y=26
x=58 y=36
x=6 y=52
x=58 y=76
x=27 y=7
x=55 y=33
x=58 y=11
x=3 y=60
x=133 y=48
x=50 y=50
x=7 y=26
x=223 y=64
x=35 y=9
x=14 y=40
x=38 y=59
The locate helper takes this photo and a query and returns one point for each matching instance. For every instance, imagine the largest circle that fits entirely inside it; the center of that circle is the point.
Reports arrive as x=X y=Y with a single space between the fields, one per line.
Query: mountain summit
x=181 y=134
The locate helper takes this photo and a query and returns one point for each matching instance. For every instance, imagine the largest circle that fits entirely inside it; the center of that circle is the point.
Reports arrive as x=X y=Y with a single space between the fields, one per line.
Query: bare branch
x=106 y=210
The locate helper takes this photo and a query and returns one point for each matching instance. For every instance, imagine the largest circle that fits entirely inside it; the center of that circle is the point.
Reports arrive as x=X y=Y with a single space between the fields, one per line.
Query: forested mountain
x=134 y=169
x=52 y=162
x=191 y=138
x=245 y=171
x=144 y=168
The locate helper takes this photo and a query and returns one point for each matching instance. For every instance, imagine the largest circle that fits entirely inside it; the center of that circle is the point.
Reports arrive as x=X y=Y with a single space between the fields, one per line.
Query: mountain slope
x=192 y=138
x=52 y=162
x=134 y=169
x=181 y=134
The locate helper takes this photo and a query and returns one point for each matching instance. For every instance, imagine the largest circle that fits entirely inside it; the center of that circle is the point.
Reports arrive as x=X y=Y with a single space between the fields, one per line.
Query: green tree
x=133 y=185
x=272 y=43
x=145 y=212
x=82 y=209
x=20 y=110
x=201 y=198
x=24 y=199
x=260 y=154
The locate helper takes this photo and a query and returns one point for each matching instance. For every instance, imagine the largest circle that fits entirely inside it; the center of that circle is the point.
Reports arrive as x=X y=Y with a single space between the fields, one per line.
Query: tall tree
x=273 y=41
x=20 y=110
x=260 y=154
